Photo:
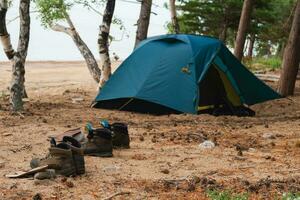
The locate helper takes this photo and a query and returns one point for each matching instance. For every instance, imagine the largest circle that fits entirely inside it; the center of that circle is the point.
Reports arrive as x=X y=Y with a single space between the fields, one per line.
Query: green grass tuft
x=291 y=196
x=261 y=63
x=226 y=195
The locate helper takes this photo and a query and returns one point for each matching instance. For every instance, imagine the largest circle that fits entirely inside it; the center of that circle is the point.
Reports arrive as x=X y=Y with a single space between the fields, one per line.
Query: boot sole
x=79 y=164
x=67 y=171
x=121 y=147
x=104 y=154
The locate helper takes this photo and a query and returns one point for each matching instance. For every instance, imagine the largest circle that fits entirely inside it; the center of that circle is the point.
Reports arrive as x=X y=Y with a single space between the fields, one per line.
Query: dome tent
x=181 y=74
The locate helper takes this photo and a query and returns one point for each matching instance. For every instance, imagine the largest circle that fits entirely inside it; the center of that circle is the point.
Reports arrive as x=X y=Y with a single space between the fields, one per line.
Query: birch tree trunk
x=19 y=58
x=88 y=56
x=251 y=45
x=242 y=30
x=143 y=22
x=223 y=33
x=4 y=36
x=103 y=43
x=280 y=49
x=174 y=19
x=291 y=57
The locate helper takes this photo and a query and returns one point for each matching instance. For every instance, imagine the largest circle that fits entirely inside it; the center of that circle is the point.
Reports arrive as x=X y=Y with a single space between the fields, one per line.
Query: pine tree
x=291 y=57
x=143 y=21
x=242 y=30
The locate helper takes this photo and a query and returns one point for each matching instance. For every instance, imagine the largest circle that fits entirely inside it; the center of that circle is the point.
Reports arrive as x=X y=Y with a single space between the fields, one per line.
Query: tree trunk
x=223 y=33
x=280 y=49
x=18 y=69
x=4 y=36
x=103 y=43
x=143 y=22
x=251 y=45
x=291 y=57
x=242 y=30
x=88 y=56
x=174 y=19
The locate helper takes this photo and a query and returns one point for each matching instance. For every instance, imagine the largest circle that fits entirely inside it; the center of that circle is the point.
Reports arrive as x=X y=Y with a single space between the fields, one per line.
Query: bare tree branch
x=17 y=17
x=61 y=28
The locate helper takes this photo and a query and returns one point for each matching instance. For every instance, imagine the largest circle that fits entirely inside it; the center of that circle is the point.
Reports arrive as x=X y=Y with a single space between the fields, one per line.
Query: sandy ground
x=165 y=160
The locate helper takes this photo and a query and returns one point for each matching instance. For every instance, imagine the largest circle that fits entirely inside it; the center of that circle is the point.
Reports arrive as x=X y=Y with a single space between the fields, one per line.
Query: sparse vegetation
x=226 y=195
x=291 y=196
x=263 y=63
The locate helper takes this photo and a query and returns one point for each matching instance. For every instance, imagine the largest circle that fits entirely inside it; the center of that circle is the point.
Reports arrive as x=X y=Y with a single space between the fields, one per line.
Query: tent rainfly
x=181 y=74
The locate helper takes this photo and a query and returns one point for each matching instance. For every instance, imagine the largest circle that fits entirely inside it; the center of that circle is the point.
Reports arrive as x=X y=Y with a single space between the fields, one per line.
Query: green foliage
x=208 y=16
x=270 y=23
x=291 y=196
x=51 y=11
x=263 y=63
x=226 y=195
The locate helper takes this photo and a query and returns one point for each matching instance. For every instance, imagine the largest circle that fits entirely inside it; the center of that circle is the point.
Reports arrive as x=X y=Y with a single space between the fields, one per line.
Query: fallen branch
x=115 y=194
x=196 y=135
x=270 y=77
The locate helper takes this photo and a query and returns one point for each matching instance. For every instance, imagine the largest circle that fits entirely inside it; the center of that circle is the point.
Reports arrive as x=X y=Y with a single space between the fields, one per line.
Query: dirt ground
x=164 y=161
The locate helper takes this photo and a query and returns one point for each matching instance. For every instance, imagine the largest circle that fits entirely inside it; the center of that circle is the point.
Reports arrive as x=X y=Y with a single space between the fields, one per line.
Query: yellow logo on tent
x=186 y=70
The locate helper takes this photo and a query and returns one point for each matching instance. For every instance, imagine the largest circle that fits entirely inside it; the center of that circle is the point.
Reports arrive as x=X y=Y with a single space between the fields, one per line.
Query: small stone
x=269 y=136
x=266 y=125
x=165 y=171
x=141 y=138
x=207 y=145
x=37 y=196
x=44 y=121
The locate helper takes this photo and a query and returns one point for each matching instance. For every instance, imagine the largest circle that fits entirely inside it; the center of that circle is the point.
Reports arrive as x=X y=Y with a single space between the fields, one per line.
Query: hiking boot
x=120 y=136
x=99 y=143
x=60 y=159
x=47 y=174
x=77 y=153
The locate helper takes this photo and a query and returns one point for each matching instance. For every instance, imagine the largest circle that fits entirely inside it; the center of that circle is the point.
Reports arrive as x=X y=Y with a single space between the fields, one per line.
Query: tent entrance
x=216 y=90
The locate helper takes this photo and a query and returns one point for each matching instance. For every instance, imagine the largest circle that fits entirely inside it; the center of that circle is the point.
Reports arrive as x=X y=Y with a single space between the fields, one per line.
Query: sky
x=46 y=44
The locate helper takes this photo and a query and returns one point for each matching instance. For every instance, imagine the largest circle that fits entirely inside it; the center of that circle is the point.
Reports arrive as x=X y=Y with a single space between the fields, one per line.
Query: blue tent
x=181 y=74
